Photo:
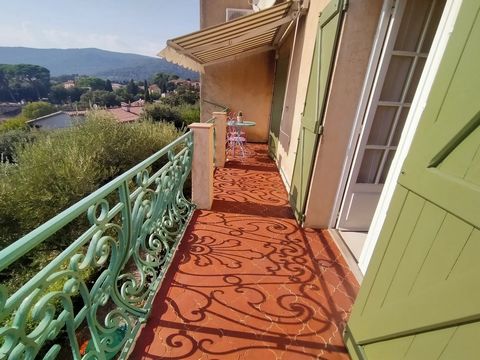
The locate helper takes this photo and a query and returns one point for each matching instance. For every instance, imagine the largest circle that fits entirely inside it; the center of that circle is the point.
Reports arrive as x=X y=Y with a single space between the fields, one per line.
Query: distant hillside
x=93 y=62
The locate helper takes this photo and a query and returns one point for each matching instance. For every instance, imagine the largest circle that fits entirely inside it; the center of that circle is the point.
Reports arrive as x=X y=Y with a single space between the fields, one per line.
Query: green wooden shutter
x=317 y=91
x=420 y=298
x=279 y=88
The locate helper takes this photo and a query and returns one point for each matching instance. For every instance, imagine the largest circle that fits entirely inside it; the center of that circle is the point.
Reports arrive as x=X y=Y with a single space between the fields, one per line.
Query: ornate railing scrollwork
x=95 y=294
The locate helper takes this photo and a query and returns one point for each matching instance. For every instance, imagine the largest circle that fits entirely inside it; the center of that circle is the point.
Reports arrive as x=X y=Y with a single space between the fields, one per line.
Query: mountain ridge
x=113 y=65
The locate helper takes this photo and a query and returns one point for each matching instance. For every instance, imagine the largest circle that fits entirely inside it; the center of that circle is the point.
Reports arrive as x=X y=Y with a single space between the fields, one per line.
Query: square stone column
x=202 y=165
x=220 y=137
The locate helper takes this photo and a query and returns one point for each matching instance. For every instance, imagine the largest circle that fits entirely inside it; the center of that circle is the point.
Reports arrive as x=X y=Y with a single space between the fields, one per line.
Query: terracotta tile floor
x=247 y=282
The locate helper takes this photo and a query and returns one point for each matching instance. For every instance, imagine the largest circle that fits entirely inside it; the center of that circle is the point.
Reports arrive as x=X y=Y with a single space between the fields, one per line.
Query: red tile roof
x=126 y=114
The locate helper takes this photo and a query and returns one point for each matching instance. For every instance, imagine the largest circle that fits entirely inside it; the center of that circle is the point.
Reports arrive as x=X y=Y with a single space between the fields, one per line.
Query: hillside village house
x=127 y=112
x=69 y=84
x=350 y=229
x=154 y=88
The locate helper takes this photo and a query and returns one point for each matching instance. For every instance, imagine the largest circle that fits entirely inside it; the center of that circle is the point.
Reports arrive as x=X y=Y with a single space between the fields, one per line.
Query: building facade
x=354 y=99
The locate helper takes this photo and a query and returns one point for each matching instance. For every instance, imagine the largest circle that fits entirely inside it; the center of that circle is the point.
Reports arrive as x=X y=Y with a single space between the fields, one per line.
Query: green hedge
x=59 y=169
x=55 y=171
x=181 y=115
x=13 y=139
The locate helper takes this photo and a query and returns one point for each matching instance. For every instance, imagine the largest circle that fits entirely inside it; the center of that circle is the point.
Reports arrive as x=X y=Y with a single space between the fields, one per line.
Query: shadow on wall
x=293 y=86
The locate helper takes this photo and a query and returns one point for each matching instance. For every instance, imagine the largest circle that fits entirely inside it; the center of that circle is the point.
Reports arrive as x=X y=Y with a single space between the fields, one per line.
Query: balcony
x=239 y=280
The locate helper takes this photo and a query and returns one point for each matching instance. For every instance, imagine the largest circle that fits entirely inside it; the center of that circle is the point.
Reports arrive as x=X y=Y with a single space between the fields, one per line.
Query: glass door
x=409 y=36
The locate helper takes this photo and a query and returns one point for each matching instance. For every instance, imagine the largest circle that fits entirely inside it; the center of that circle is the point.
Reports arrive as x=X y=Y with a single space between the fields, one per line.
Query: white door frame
x=378 y=42
x=361 y=195
x=445 y=28
x=379 y=70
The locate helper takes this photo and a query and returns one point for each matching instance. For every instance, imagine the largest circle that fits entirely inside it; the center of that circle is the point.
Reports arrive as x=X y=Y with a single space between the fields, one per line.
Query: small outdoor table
x=235 y=137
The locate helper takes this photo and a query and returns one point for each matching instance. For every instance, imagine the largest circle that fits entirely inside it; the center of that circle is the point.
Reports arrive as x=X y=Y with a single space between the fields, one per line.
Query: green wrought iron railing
x=222 y=107
x=132 y=228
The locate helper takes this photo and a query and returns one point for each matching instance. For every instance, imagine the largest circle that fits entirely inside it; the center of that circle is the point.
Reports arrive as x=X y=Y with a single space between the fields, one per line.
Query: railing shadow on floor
x=249 y=279
x=91 y=298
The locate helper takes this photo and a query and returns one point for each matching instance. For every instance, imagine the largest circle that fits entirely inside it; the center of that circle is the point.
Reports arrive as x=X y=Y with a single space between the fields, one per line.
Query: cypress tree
x=108 y=85
x=147 y=92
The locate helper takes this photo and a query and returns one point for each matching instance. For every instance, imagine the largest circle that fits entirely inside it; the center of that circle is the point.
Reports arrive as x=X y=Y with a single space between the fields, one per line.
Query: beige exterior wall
x=348 y=77
x=212 y=12
x=245 y=84
x=297 y=89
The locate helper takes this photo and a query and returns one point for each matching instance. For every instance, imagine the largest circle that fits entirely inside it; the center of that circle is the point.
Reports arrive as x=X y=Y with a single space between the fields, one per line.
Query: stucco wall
x=212 y=12
x=348 y=77
x=243 y=85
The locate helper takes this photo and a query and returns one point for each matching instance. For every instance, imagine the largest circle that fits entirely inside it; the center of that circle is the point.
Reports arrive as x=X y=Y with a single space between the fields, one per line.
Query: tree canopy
x=132 y=87
x=93 y=83
x=108 y=85
x=23 y=82
x=100 y=98
x=147 y=97
x=37 y=109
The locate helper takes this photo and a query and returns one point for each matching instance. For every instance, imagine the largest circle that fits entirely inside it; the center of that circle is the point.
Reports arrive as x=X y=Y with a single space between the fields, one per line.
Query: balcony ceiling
x=259 y=32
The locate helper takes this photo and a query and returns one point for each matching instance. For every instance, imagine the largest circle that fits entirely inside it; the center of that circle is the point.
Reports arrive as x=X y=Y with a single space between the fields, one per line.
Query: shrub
x=16 y=123
x=62 y=167
x=100 y=98
x=8 y=229
x=10 y=140
x=57 y=170
x=181 y=115
x=189 y=113
x=37 y=109
x=163 y=112
x=182 y=95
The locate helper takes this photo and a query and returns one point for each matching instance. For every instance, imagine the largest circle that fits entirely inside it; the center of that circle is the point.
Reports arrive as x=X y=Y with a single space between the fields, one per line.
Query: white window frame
x=229 y=11
x=444 y=30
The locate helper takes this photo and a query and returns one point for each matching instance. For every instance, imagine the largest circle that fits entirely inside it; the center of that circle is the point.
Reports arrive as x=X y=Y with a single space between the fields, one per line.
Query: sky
x=132 y=26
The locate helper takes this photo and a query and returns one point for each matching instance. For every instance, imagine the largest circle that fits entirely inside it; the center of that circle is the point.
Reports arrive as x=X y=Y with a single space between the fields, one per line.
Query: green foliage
x=91 y=82
x=37 y=109
x=63 y=78
x=181 y=116
x=182 y=95
x=57 y=170
x=99 y=97
x=15 y=123
x=23 y=81
x=13 y=139
x=163 y=112
x=6 y=93
x=161 y=79
x=60 y=95
x=155 y=96
x=189 y=113
x=146 y=97
x=62 y=167
x=123 y=95
x=132 y=88
x=108 y=86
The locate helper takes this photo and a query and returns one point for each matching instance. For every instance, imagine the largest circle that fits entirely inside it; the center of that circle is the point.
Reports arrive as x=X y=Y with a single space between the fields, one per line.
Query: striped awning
x=254 y=33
